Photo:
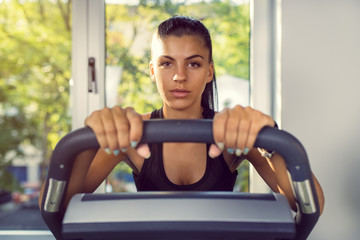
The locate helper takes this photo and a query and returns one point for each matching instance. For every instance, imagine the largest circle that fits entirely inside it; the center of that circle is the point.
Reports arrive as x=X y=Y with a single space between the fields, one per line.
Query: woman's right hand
x=118 y=129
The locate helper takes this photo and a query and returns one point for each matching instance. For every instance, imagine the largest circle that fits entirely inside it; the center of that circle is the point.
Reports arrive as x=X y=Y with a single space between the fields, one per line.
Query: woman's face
x=181 y=68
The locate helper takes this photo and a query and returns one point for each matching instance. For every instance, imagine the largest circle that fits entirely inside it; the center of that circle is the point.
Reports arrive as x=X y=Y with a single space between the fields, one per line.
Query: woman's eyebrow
x=188 y=58
x=194 y=56
x=168 y=57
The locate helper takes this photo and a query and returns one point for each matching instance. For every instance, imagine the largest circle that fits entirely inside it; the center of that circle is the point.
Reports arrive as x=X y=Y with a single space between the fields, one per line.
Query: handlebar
x=200 y=130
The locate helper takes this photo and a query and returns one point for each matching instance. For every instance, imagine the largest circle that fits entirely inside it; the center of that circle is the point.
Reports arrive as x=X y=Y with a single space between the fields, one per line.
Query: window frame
x=88 y=40
x=265 y=68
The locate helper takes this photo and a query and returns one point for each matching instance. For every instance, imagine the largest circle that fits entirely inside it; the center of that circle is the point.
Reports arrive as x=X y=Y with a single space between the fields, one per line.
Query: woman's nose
x=180 y=74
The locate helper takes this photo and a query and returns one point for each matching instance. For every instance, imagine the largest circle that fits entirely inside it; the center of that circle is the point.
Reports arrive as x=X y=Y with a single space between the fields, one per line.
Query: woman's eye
x=165 y=64
x=194 y=64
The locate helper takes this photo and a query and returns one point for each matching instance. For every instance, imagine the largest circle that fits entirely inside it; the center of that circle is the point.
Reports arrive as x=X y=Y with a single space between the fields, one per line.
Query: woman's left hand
x=235 y=130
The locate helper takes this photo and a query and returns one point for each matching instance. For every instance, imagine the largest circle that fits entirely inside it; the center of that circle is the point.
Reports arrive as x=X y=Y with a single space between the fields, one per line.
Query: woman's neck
x=192 y=113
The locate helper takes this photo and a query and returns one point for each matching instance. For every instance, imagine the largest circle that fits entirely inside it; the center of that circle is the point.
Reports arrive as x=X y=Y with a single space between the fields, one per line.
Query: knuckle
x=131 y=113
x=105 y=110
x=123 y=127
x=238 y=108
x=117 y=114
x=88 y=121
x=232 y=125
x=248 y=109
x=110 y=131
x=92 y=119
x=129 y=109
x=244 y=127
x=117 y=109
x=100 y=133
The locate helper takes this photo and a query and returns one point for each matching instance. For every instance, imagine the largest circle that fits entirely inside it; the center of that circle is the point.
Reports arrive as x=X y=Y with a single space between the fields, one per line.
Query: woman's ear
x=152 y=71
x=210 y=74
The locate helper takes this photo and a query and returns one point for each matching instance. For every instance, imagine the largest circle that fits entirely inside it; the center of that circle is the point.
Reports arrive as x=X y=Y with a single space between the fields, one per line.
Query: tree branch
x=65 y=15
x=28 y=19
x=41 y=10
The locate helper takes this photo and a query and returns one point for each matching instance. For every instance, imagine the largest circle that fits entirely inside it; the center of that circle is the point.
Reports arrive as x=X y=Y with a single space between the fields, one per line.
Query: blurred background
x=296 y=60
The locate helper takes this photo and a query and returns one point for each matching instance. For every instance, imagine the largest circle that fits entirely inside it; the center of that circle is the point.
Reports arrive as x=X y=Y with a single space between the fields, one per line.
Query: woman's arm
x=235 y=131
x=90 y=169
x=274 y=173
x=116 y=131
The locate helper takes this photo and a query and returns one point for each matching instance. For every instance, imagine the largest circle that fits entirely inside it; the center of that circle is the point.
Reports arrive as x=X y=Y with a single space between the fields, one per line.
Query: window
x=35 y=56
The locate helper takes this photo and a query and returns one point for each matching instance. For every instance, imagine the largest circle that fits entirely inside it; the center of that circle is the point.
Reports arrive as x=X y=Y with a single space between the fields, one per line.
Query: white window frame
x=88 y=40
x=265 y=67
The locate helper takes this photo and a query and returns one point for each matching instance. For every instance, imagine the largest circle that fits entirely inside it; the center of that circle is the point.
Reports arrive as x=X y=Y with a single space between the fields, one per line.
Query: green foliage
x=35 y=52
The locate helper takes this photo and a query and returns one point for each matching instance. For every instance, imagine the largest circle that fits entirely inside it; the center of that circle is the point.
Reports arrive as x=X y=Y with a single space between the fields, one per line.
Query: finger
x=122 y=128
x=219 y=127
x=232 y=126
x=95 y=123
x=109 y=128
x=259 y=122
x=214 y=151
x=143 y=150
x=243 y=132
x=136 y=126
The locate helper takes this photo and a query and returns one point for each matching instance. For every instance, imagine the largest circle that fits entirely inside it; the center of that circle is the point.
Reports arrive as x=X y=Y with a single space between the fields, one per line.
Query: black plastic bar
x=154 y=131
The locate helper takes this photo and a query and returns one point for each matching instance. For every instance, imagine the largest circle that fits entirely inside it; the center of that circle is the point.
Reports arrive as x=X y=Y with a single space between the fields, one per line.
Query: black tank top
x=152 y=176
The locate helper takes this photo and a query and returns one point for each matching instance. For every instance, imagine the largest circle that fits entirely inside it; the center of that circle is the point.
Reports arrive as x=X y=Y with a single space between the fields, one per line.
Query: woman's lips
x=179 y=93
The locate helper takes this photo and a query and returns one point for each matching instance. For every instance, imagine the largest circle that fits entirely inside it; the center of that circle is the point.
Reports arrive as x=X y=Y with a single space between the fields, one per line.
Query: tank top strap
x=157 y=114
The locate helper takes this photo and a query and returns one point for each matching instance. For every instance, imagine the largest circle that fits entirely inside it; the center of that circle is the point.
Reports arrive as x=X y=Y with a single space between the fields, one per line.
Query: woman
x=183 y=70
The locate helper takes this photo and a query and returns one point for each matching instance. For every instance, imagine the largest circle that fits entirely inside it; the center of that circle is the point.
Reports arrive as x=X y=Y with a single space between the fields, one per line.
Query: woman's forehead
x=179 y=46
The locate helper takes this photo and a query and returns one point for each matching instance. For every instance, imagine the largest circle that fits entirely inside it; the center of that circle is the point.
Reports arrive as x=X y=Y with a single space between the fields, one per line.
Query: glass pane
x=35 y=54
x=129 y=27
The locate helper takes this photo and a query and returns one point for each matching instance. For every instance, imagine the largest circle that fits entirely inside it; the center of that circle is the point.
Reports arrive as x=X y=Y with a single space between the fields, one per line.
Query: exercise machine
x=180 y=215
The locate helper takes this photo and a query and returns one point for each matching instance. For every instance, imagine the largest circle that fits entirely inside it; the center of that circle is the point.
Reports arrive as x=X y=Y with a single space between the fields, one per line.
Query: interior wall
x=320 y=103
